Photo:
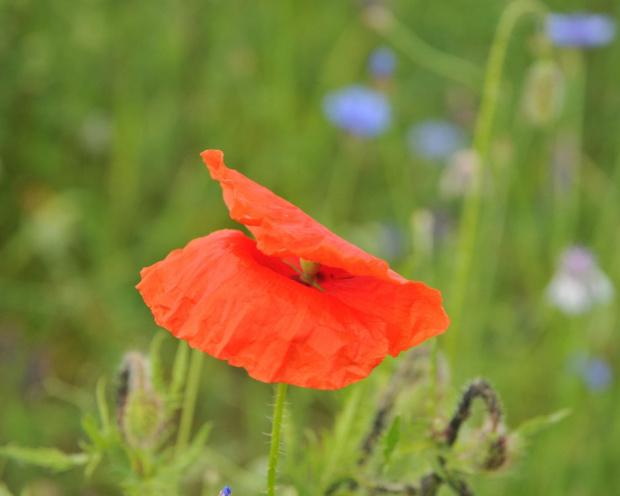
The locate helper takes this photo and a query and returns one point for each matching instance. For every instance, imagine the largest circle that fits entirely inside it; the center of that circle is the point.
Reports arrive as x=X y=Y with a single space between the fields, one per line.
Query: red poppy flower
x=244 y=300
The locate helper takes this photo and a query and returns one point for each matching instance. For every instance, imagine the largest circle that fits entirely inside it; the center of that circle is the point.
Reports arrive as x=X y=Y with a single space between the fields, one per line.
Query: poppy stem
x=189 y=400
x=275 y=439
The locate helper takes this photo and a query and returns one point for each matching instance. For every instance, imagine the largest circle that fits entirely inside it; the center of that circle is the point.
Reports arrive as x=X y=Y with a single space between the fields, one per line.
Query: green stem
x=567 y=196
x=433 y=377
x=179 y=368
x=275 y=439
x=482 y=138
x=340 y=194
x=428 y=57
x=189 y=400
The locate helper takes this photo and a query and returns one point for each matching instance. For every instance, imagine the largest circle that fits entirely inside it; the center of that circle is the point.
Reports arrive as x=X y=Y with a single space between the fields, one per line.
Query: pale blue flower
x=580 y=29
x=381 y=63
x=597 y=374
x=595 y=371
x=435 y=139
x=359 y=110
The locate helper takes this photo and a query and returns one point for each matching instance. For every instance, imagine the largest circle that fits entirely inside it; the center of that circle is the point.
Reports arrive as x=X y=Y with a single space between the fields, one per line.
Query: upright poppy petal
x=283 y=230
x=223 y=296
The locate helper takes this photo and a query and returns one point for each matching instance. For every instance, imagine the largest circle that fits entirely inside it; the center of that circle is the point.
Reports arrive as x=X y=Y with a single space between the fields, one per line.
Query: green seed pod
x=141 y=412
x=543 y=95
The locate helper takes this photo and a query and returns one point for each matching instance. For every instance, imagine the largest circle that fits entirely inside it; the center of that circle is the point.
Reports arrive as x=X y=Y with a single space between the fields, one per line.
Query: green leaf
x=50 y=458
x=95 y=459
x=98 y=438
x=391 y=439
x=4 y=491
x=537 y=424
x=192 y=453
x=338 y=445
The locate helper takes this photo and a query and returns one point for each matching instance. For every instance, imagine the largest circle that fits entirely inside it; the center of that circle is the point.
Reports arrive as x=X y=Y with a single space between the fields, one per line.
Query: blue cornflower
x=580 y=29
x=435 y=139
x=359 y=110
x=594 y=371
x=597 y=374
x=381 y=63
x=226 y=491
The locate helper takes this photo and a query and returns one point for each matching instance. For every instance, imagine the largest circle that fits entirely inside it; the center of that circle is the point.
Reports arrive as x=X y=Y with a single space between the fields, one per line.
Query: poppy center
x=309 y=271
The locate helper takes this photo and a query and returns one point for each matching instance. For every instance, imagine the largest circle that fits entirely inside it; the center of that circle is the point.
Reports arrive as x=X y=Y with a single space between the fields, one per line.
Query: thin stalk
x=433 y=377
x=482 y=139
x=340 y=194
x=424 y=55
x=567 y=196
x=189 y=400
x=276 y=429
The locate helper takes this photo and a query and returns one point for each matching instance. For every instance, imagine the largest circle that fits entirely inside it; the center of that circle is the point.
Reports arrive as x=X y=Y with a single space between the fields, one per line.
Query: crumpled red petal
x=224 y=297
x=283 y=230
x=240 y=300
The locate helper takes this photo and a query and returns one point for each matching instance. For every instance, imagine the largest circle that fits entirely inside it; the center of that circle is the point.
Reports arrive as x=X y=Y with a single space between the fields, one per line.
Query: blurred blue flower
x=595 y=371
x=580 y=29
x=597 y=374
x=435 y=139
x=381 y=63
x=359 y=110
x=226 y=491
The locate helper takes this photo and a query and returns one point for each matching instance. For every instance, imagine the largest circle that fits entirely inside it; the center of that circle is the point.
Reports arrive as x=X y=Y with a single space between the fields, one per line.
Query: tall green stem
x=482 y=139
x=275 y=439
x=189 y=400
x=567 y=196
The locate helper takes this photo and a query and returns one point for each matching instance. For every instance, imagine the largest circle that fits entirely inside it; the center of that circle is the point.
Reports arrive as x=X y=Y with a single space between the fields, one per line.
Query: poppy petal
x=225 y=297
x=409 y=312
x=283 y=230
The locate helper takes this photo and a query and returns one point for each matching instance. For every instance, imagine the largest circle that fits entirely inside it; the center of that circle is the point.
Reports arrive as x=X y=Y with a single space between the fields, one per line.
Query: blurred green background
x=105 y=106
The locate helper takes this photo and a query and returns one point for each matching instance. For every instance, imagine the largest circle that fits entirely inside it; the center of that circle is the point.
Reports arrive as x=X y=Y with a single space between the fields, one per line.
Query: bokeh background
x=105 y=106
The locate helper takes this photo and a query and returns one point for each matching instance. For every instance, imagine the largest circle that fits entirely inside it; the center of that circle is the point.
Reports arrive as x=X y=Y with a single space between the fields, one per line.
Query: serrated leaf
x=537 y=424
x=391 y=439
x=50 y=458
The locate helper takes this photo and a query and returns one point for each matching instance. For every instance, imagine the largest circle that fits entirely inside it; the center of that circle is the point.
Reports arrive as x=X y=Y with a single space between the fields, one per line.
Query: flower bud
x=378 y=17
x=543 y=95
x=439 y=429
x=226 y=491
x=493 y=452
x=141 y=412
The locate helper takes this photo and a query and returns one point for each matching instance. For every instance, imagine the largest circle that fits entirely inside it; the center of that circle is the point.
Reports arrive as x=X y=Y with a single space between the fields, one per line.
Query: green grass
x=159 y=81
